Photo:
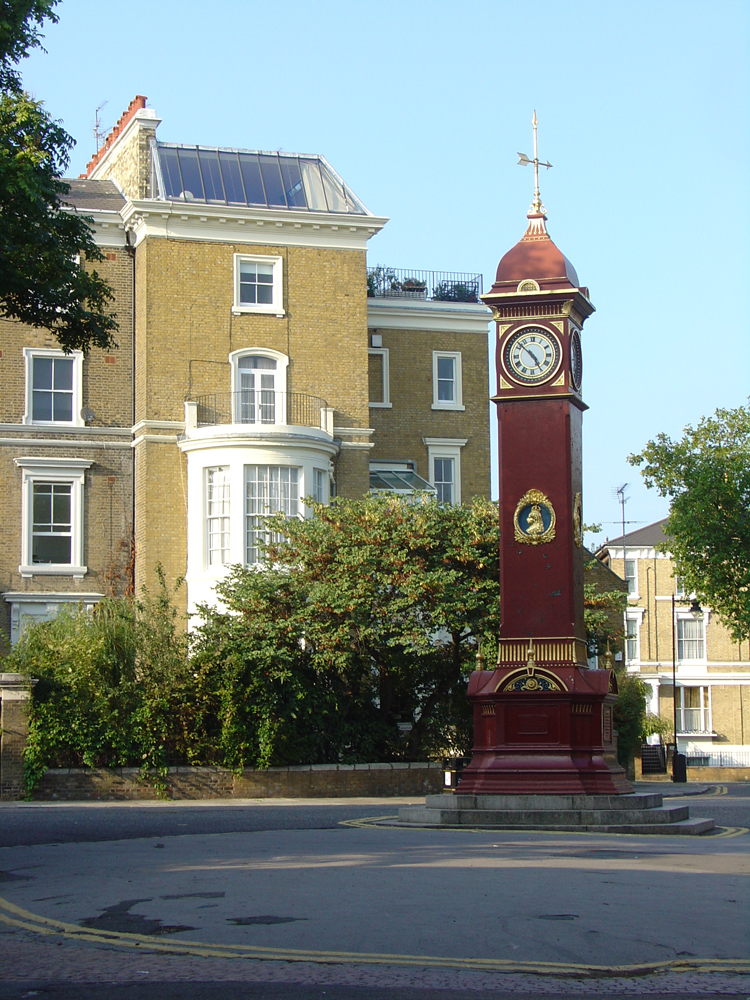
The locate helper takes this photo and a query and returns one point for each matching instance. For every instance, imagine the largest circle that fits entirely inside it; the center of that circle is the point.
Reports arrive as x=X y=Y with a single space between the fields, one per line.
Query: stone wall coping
x=398 y=765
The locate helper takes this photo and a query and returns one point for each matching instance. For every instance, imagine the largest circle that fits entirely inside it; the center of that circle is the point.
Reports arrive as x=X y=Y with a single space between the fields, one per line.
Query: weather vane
x=536 y=206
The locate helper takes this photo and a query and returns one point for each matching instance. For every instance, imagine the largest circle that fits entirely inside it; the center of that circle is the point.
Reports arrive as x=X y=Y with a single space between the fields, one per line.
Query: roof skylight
x=244 y=177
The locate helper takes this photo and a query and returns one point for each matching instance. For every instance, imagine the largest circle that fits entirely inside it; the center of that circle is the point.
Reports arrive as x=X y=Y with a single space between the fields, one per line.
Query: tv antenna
x=523 y=161
x=99 y=132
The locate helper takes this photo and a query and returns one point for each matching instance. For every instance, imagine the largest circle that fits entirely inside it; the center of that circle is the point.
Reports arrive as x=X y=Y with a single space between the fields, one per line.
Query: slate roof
x=93 y=196
x=649 y=536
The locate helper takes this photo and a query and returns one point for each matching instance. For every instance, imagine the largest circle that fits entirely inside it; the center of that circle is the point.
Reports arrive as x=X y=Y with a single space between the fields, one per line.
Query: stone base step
x=638 y=813
x=545 y=817
x=421 y=817
x=639 y=800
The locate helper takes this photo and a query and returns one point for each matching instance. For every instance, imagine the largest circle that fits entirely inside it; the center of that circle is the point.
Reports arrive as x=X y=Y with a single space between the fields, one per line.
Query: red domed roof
x=535 y=256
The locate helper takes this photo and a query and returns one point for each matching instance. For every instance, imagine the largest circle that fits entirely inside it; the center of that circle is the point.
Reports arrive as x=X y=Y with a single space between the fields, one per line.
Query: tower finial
x=537 y=208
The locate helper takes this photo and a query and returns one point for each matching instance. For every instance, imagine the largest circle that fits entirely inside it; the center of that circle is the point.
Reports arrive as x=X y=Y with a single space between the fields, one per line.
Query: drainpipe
x=130 y=249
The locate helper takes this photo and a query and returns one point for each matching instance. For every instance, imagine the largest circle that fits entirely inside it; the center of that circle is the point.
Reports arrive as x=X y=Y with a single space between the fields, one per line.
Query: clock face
x=576 y=360
x=532 y=355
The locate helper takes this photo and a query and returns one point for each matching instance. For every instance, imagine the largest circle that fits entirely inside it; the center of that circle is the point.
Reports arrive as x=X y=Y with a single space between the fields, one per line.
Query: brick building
x=259 y=361
x=712 y=671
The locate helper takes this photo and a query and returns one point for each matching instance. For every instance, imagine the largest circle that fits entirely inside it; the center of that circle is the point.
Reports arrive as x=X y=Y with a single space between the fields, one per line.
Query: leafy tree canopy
x=383 y=601
x=706 y=475
x=20 y=24
x=43 y=245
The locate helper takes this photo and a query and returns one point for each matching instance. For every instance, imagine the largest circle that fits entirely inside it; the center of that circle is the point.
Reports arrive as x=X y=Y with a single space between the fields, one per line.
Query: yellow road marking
x=384 y=822
x=15 y=916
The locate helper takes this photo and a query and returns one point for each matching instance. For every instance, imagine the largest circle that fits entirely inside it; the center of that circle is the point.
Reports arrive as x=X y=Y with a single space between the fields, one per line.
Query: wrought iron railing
x=435 y=286
x=724 y=758
x=261 y=408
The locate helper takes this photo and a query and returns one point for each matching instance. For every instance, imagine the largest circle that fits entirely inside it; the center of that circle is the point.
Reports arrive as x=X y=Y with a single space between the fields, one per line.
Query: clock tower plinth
x=542 y=718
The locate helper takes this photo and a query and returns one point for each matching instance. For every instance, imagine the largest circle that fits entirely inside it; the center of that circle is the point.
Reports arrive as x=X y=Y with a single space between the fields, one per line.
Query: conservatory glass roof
x=398 y=481
x=247 y=177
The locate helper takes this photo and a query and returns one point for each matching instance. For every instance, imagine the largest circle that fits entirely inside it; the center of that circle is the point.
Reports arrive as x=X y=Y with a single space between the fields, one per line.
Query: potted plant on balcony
x=414 y=288
x=456 y=291
x=382 y=281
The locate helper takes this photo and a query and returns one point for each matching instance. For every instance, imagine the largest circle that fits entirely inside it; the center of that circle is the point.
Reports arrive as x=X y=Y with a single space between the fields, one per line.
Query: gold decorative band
x=546 y=651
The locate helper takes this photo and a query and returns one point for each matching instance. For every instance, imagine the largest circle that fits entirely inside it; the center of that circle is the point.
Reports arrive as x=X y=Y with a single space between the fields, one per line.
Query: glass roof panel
x=295 y=193
x=253 y=181
x=334 y=191
x=397 y=480
x=246 y=177
x=230 y=170
x=209 y=161
x=170 y=169
x=316 y=197
x=269 y=165
x=191 y=175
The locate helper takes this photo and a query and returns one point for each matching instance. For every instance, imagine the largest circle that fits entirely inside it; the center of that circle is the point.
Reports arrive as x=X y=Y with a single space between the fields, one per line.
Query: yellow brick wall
x=160 y=514
x=730 y=704
x=107 y=390
x=186 y=329
x=730 y=712
x=400 y=429
x=130 y=164
x=656 y=628
x=185 y=333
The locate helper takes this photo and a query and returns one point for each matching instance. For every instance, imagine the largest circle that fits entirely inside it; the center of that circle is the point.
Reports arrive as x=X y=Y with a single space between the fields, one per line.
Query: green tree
x=365 y=616
x=114 y=688
x=706 y=475
x=45 y=280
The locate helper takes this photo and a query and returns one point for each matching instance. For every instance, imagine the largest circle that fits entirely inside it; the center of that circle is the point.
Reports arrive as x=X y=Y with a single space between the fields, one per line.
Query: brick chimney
x=125 y=154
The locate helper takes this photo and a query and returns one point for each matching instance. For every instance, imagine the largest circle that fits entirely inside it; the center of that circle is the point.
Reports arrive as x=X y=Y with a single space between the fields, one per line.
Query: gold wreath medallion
x=534 y=531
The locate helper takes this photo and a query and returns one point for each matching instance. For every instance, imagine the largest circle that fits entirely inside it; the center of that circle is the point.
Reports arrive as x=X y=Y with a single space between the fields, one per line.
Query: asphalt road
x=307 y=899
x=27 y=824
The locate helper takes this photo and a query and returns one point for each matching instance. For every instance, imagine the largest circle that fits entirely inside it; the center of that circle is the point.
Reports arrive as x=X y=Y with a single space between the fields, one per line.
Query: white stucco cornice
x=636 y=552
x=408 y=314
x=273 y=436
x=108 y=226
x=182 y=220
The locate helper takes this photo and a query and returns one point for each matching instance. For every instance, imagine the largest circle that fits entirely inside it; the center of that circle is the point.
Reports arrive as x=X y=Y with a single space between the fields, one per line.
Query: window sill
x=261 y=310
x=53 y=569
x=380 y=406
x=447 y=406
x=53 y=424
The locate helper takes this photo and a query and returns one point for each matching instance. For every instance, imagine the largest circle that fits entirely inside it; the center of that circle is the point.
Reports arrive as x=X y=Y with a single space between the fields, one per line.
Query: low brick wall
x=309 y=781
x=703 y=775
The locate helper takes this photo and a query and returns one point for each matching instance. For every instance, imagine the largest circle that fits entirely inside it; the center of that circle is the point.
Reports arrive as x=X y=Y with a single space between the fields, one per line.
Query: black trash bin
x=452 y=770
x=679 y=767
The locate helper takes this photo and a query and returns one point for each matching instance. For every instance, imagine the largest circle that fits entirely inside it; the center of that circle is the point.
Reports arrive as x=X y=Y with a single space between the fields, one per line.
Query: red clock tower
x=542 y=718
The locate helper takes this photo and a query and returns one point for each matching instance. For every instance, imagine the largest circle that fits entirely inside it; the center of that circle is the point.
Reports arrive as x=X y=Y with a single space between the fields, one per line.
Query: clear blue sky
x=422 y=107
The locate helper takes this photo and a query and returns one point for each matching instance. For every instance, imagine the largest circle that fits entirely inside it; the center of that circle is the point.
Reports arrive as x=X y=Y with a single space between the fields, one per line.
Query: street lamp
x=679 y=773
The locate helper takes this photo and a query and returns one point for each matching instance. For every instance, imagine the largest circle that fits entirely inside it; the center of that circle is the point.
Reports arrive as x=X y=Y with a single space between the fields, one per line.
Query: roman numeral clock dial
x=532 y=355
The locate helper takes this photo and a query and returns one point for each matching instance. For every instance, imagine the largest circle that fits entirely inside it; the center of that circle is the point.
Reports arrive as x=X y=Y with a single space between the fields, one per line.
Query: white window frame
x=636 y=616
x=29 y=354
x=635 y=593
x=446 y=448
x=274 y=308
x=207 y=519
x=319 y=477
x=282 y=364
x=706 y=711
x=59 y=470
x=686 y=616
x=247 y=516
x=448 y=404
x=385 y=403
